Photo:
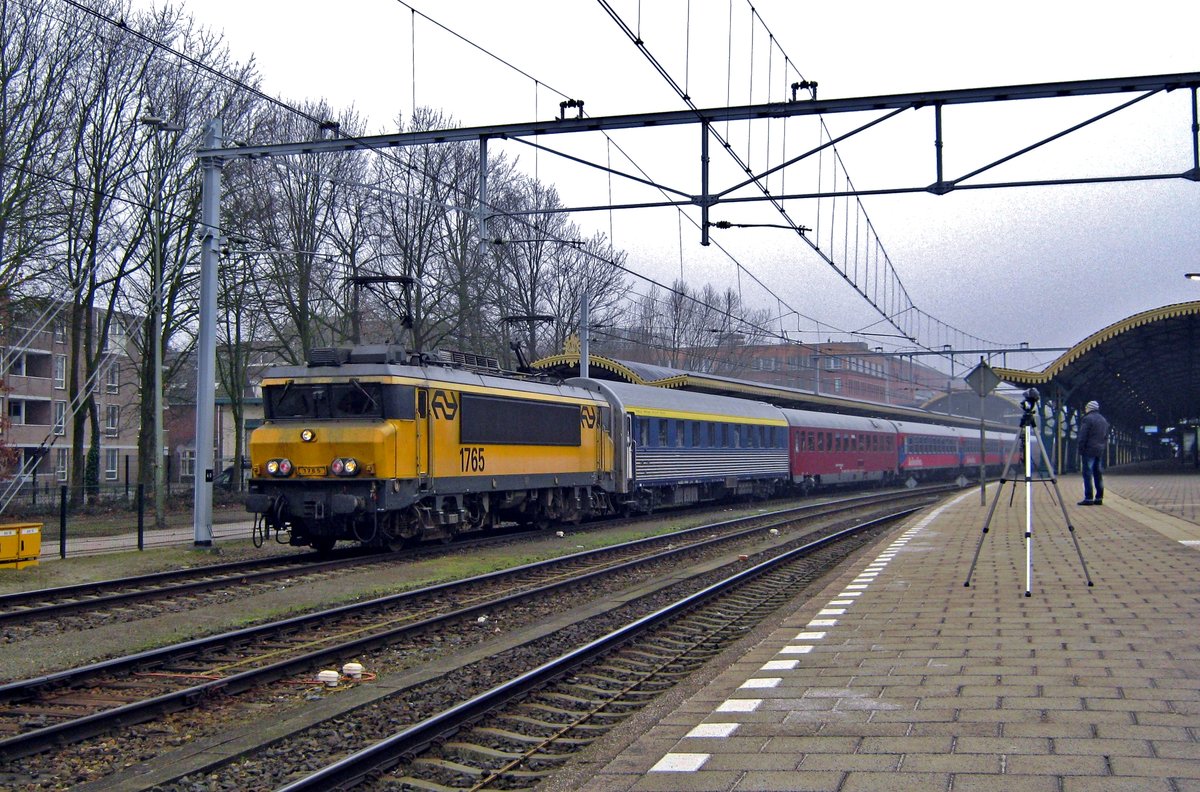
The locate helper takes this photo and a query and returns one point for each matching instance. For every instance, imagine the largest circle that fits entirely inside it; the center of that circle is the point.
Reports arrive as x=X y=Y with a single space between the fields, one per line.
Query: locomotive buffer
x=1022 y=441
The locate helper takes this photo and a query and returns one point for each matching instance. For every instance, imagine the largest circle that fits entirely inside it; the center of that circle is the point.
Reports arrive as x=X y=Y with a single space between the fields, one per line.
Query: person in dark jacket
x=1093 y=442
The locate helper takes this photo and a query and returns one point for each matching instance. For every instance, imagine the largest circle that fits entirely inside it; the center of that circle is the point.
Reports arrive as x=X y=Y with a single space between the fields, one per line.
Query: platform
x=897 y=677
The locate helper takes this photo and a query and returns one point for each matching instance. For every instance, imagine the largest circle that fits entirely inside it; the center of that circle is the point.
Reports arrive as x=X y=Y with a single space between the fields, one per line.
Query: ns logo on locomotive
x=372 y=446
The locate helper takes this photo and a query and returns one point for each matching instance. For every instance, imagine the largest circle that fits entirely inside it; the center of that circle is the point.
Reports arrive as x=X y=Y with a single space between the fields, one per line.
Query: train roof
x=821 y=420
x=648 y=397
x=917 y=427
x=431 y=373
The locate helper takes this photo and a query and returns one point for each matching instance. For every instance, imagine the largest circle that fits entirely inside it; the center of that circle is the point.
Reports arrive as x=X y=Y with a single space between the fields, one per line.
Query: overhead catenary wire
x=341 y=133
x=896 y=290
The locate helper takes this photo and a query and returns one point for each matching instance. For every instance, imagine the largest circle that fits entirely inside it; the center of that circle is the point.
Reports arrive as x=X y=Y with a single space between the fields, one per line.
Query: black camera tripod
x=1022 y=441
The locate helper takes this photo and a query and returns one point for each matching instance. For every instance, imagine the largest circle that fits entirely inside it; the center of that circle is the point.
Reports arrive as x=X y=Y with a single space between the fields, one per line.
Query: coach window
x=698 y=439
x=714 y=438
x=661 y=433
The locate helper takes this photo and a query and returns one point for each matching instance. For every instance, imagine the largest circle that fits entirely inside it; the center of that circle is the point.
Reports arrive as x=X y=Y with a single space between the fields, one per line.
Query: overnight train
x=374 y=446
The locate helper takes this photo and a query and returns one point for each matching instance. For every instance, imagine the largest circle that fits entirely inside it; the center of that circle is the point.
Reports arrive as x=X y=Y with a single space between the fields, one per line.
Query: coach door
x=424 y=438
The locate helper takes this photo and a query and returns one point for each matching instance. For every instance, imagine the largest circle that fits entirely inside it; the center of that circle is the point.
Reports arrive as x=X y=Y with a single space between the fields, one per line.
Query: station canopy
x=1143 y=370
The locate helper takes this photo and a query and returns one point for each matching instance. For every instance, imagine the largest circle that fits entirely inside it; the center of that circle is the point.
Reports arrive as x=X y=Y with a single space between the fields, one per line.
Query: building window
x=112 y=378
x=60 y=463
x=60 y=332
x=187 y=464
x=110 y=464
x=60 y=418
x=16 y=366
x=16 y=411
x=60 y=371
x=112 y=423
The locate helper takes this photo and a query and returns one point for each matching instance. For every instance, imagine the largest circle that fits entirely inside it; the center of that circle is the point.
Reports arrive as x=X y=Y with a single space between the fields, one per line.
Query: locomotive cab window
x=353 y=399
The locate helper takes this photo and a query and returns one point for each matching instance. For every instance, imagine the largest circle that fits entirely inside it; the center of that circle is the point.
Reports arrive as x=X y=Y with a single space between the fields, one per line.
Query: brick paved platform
x=897 y=677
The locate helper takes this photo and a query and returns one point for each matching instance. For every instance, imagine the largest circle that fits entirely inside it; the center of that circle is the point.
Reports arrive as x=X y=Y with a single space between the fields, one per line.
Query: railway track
x=25 y=606
x=71 y=706
x=45 y=611
x=518 y=733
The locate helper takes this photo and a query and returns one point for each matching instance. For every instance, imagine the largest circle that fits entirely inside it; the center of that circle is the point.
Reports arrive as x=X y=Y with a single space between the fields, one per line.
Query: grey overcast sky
x=1046 y=265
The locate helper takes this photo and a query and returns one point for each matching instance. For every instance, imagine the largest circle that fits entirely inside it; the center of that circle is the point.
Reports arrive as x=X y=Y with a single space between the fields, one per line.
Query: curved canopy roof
x=1144 y=370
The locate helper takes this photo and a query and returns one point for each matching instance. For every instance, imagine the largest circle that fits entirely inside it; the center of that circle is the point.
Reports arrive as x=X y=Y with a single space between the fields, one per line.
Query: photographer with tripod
x=1023 y=447
x=1093 y=443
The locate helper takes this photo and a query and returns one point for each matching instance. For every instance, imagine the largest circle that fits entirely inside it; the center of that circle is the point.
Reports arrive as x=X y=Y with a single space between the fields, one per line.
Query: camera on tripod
x=1029 y=400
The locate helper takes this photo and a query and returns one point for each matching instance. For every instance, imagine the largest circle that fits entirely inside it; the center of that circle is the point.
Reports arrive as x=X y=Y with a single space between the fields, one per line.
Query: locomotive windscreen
x=486 y=419
x=353 y=399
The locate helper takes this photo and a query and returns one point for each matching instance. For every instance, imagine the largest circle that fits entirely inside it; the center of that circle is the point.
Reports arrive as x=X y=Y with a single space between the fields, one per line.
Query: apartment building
x=34 y=353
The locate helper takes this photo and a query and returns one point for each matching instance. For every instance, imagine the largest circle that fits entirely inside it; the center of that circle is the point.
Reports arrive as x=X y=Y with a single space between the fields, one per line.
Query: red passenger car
x=829 y=449
x=929 y=450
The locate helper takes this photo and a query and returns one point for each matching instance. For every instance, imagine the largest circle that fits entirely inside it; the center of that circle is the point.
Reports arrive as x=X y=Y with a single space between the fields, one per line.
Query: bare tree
x=35 y=55
x=592 y=266
x=102 y=160
x=294 y=204
x=533 y=246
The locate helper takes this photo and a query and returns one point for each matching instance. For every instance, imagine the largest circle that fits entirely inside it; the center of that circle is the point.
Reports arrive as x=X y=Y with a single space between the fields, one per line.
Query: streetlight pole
x=158 y=125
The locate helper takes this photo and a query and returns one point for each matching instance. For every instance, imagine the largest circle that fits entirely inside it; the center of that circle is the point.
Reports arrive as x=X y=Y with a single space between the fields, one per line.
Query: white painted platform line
x=683 y=762
x=760 y=683
x=713 y=730
x=793 y=650
x=680 y=763
x=1190 y=542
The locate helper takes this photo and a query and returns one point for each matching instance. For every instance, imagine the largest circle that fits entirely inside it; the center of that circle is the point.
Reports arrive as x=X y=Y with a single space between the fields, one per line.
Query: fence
x=112 y=517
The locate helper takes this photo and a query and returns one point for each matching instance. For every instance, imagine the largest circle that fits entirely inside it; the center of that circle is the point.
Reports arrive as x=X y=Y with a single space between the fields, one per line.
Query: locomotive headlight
x=308 y=435
x=344 y=466
x=279 y=467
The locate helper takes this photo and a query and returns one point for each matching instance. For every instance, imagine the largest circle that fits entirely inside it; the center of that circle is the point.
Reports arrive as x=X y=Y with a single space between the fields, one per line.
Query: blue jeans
x=1093 y=471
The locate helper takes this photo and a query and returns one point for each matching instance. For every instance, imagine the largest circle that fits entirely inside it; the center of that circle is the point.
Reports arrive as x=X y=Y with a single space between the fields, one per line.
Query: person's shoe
x=1098 y=502
x=1085 y=502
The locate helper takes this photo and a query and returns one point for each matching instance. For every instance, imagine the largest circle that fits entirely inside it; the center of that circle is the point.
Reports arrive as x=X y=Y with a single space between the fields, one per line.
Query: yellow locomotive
x=369 y=445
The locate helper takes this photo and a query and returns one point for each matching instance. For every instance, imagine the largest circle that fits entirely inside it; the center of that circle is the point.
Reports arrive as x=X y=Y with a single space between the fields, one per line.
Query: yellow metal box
x=20 y=541
x=10 y=541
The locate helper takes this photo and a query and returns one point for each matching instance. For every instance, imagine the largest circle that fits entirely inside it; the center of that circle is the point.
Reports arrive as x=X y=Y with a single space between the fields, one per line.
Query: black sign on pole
x=983 y=381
